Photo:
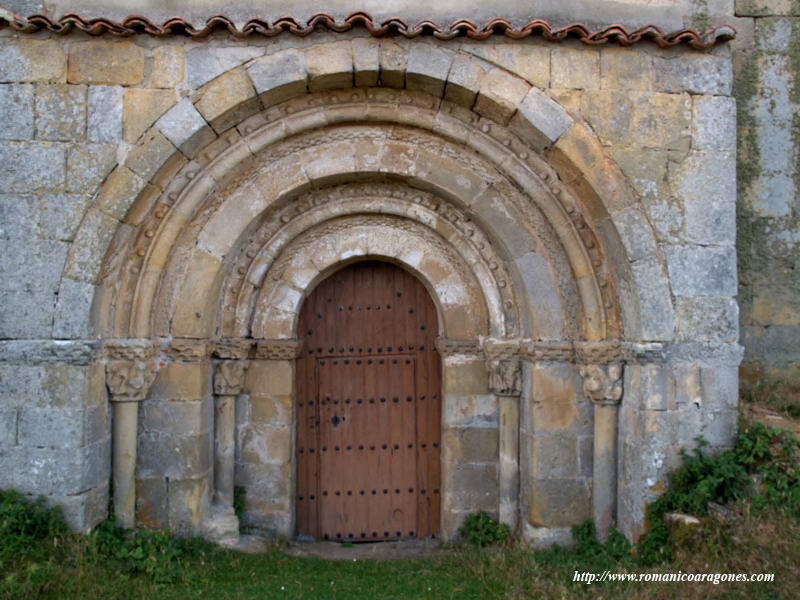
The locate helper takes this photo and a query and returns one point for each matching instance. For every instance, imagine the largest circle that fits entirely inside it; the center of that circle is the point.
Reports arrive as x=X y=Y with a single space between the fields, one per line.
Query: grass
x=39 y=558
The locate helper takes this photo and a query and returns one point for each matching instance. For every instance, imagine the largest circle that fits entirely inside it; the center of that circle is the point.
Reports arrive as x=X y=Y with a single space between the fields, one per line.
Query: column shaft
x=124 y=462
x=224 y=434
x=604 y=482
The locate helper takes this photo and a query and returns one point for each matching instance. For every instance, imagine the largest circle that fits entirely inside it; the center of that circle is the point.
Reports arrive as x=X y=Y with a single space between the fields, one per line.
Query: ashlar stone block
x=108 y=63
x=574 y=68
x=279 y=76
x=427 y=69
x=500 y=94
x=23 y=59
x=540 y=120
x=169 y=66
x=105 y=108
x=228 y=100
x=60 y=112
x=329 y=66
x=16 y=111
x=702 y=271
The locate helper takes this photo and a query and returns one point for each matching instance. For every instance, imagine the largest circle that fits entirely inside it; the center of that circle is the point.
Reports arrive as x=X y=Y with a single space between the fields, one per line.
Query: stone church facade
x=171 y=197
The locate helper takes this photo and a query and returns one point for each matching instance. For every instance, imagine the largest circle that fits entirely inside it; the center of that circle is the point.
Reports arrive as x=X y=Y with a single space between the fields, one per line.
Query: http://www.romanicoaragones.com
x=589 y=577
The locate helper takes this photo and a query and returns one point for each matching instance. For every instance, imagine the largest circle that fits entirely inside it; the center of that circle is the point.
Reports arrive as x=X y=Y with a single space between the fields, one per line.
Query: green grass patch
x=39 y=558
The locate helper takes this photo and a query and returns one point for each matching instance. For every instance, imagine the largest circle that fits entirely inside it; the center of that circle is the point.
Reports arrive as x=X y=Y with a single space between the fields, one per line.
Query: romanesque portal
x=543 y=359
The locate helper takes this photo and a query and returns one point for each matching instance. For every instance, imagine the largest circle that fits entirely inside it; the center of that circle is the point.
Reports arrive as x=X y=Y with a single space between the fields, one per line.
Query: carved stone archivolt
x=494 y=154
x=603 y=383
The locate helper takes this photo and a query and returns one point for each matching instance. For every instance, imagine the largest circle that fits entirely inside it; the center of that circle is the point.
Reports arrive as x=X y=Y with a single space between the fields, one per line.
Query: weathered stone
x=702 y=271
x=279 y=76
x=104 y=118
x=106 y=63
x=707 y=319
x=228 y=100
x=58 y=215
x=575 y=68
x=168 y=66
x=17 y=217
x=366 y=61
x=472 y=444
x=713 y=123
x=499 y=96
x=89 y=246
x=554 y=456
x=205 y=63
x=329 y=66
x=393 y=57
x=185 y=127
x=32 y=60
x=182 y=381
x=762 y=8
x=464 y=79
x=706 y=183
x=635 y=232
x=31 y=167
x=558 y=502
x=657 y=316
x=88 y=165
x=629 y=118
x=531 y=62
x=625 y=69
x=142 y=109
x=50 y=427
x=178 y=417
x=150 y=154
x=427 y=69
x=73 y=310
x=173 y=456
x=540 y=120
x=16 y=111
x=60 y=112
x=119 y=190
x=693 y=73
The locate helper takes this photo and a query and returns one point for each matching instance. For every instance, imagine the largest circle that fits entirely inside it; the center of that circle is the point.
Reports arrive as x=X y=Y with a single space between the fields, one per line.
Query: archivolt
x=214 y=207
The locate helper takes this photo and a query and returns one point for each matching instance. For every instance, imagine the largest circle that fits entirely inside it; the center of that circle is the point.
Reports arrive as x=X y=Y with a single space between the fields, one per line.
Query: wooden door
x=368 y=408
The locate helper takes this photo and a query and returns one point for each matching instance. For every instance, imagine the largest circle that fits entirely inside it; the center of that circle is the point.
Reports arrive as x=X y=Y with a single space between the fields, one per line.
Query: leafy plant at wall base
x=482 y=530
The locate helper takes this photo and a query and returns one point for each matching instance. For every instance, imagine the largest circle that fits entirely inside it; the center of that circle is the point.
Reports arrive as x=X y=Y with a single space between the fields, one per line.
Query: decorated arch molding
x=563 y=193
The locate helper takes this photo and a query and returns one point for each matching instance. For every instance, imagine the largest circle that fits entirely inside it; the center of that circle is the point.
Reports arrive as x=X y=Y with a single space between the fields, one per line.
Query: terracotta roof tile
x=134 y=24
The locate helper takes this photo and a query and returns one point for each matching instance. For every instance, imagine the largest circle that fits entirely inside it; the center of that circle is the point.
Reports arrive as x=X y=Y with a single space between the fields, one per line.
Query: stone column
x=130 y=371
x=603 y=384
x=229 y=373
x=505 y=382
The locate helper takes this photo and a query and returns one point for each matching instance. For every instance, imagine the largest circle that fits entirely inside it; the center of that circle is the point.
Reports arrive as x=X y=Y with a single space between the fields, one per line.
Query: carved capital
x=505 y=377
x=130 y=380
x=232 y=348
x=229 y=377
x=450 y=347
x=603 y=383
x=278 y=349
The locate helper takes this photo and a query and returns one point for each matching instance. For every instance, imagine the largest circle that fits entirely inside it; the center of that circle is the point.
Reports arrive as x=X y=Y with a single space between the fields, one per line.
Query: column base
x=222 y=526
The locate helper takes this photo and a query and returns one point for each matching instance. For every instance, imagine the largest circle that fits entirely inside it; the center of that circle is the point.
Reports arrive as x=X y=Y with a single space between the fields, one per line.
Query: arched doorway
x=368 y=408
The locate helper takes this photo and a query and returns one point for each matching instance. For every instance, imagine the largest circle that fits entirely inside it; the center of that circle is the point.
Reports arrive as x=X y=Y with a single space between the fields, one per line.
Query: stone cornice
x=459 y=28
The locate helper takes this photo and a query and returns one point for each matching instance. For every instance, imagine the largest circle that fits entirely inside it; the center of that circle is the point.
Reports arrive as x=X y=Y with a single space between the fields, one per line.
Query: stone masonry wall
x=74 y=106
x=767 y=63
